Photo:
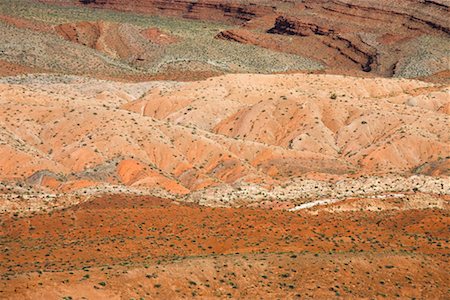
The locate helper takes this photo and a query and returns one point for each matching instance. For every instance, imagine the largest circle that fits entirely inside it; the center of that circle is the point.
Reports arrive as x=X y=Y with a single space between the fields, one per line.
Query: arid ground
x=224 y=149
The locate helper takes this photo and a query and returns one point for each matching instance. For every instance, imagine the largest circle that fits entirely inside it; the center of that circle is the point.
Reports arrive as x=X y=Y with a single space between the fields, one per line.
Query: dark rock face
x=87 y=1
x=350 y=47
x=290 y=26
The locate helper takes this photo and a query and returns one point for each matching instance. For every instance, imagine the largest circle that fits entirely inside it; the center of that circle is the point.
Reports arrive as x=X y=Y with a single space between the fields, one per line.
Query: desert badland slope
x=180 y=138
x=224 y=149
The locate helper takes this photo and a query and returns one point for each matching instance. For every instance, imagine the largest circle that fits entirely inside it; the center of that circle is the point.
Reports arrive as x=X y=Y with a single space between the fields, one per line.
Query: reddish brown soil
x=392 y=246
x=26 y=24
x=259 y=276
x=12 y=69
x=439 y=77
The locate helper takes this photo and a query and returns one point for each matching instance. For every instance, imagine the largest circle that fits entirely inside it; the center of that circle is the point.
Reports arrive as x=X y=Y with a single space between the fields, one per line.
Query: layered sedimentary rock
x=349 y=46
x=400 y=39
x=232 y=11
x=364 y=35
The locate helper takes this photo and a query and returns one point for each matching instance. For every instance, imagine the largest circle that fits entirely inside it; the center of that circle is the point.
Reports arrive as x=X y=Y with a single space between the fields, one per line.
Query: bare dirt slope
x=184 y=137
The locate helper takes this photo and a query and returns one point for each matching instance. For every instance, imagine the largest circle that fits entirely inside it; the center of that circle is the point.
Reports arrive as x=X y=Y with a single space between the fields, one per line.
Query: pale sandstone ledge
x=297 y=193
x=304 y=191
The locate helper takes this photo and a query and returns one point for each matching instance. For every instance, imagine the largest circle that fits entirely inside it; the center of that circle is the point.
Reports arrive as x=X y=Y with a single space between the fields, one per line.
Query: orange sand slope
x=63 y=133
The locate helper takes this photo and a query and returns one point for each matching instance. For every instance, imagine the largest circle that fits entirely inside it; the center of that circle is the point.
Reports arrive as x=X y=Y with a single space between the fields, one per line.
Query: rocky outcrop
x=372 y=34
x=404 y=38
x=417 y=15
x=122 y=41
x=84 y=33
x=351 y=47
x=231 y=11
x=239 y=36
x=291 y=26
